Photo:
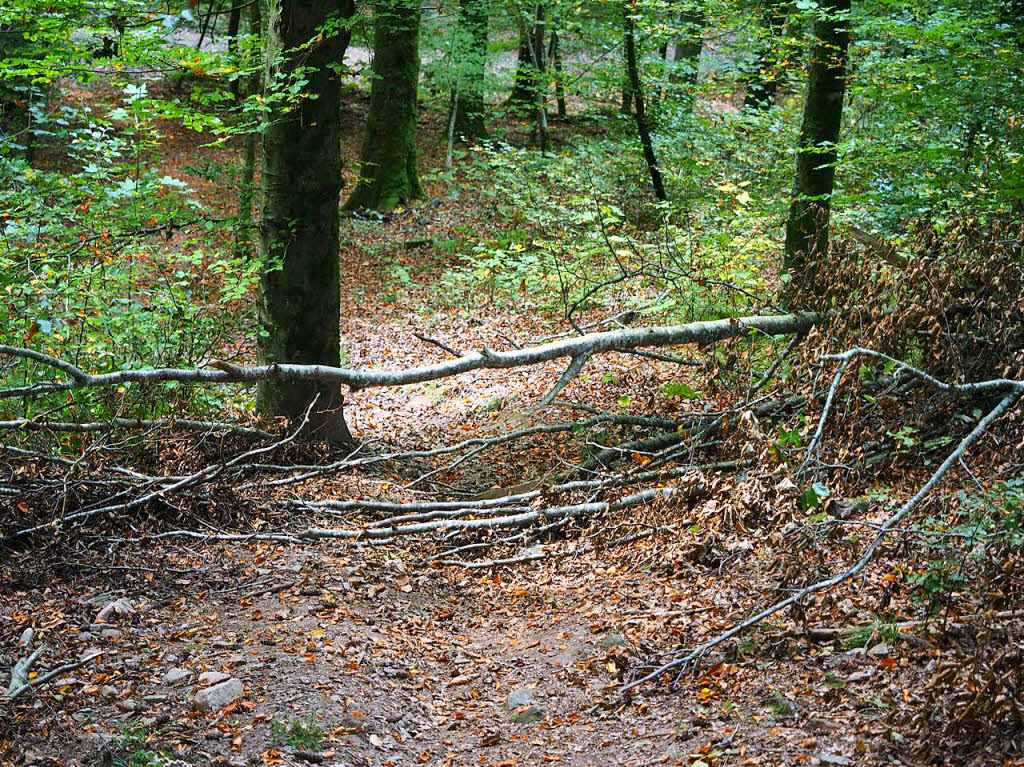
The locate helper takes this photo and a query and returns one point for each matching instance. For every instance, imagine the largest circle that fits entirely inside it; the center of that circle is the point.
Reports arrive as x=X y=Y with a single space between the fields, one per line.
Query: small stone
x=127 y=705
x=859 y=676
x=220 y=695
x=175 y=675
x=110 y=633
x=521 y=707
x=213 y=677
x=108 y=692
x=840 y=761
x=521 y=697
x=114 y=610
x=86 y=636
x=880 y=650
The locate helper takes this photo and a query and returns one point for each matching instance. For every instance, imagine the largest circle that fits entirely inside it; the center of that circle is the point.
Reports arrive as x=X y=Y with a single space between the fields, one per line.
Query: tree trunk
x=525 y=85
x=234 y=22
x=555 y=56
x=808 y=226
x=763 y=86
x=388 y=176
x=687 y=49
x=253 y=85
x=639 y=113
x=300 y=293
x=536 y=46
x=626 y=97
x=471 y=66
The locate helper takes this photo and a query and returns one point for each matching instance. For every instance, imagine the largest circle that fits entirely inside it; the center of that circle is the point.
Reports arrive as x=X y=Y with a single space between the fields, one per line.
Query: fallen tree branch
x=626 y=339
x=1016 y=390
x=203 y=475
x=39 y=681
x=184 y=424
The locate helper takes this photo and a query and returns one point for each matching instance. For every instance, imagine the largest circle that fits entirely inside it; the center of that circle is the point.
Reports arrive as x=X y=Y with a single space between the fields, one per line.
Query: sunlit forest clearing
x=498 y=383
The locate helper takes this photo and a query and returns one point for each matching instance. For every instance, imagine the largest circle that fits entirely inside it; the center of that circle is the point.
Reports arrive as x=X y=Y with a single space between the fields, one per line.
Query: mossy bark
x=808 y=226
x=253 y=85
x=299 y=304
x=471 y=65
x=388 y=176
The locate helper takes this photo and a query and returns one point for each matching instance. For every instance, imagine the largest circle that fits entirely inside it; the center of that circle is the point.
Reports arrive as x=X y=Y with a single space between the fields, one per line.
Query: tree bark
x=253 y=85
x=388 y=175
x=525 y=85
x=763 y=86
x=687 y=49
x=536 y=46
x=555 y=56
x=299 y=303
x=808 y=226
x=471 y=66
x=639 y=112
x=234 y=22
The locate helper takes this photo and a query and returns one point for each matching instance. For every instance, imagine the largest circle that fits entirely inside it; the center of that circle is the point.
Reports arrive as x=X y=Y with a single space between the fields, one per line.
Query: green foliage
x=130 y=745
x=298 y=733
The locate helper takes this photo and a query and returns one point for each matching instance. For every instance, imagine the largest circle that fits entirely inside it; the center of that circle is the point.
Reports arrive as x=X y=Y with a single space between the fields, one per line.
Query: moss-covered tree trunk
x=763 y=85
x=471 y=68
x=299 y=303
x=808 y=226
x=639 y=112
x=253 y=85
x=387 y=173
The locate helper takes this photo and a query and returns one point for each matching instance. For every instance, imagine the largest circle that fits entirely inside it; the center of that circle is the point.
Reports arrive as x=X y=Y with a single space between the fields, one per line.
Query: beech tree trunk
x=555 y=57
x=525 y=85
x=388 y=175
x=234 y=22
x=687 y=49
x=471 y=63
x=763 y=86
x=808 y=226
x=253 y=84
x=639 y=112
x=299 y=304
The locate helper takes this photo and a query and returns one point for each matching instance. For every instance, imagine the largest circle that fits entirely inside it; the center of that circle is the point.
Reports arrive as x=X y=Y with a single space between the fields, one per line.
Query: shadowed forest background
x=498 y=383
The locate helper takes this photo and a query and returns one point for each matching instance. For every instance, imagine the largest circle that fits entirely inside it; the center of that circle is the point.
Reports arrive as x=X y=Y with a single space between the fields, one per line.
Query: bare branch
x=625 y=339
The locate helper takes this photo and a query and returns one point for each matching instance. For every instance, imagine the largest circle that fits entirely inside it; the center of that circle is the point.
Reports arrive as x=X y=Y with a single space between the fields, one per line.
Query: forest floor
x=362 y=656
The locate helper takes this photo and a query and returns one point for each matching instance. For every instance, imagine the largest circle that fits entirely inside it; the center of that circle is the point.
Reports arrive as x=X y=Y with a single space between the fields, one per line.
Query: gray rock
x=521 y=706
x=86 y=636
x=109 y=692
x=840 y=761
x=220 y=695
x=213 y=677
x=522 y=697
x=175 y=675
x=110 y=633
x=114 y=610
x=880 y=650
x=128 y=705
